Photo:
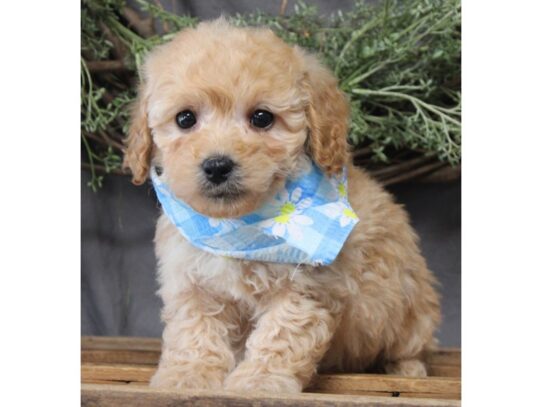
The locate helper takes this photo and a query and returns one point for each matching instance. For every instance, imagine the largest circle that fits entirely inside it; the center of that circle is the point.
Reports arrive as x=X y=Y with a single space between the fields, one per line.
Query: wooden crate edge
x=136 y=396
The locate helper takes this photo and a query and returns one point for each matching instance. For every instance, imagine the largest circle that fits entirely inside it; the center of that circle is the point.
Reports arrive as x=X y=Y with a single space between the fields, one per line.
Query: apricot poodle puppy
x=264 y=108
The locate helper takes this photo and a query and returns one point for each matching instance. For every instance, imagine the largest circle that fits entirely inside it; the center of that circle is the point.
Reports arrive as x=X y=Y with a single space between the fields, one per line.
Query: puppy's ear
x=137 y=156
x=328 y=117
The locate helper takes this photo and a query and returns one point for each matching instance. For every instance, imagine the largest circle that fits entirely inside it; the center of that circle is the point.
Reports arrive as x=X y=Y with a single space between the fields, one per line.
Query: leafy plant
x=398 y=61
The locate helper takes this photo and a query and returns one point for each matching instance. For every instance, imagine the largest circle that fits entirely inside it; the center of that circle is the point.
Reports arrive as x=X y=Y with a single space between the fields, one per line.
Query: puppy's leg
x=407 y=357
x=406 y=367
x=196 y=351
x=283 y=351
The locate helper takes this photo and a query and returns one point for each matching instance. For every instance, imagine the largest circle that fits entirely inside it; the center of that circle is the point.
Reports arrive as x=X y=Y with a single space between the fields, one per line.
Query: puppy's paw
x=406 y=367
x=186 y=377
x=250 y=381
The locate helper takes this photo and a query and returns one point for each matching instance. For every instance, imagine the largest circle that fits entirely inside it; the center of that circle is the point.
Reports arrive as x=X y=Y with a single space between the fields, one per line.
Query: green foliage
x=398 y=61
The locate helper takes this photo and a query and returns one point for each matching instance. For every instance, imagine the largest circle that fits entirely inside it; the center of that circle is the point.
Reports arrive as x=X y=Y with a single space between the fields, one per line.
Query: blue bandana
x=307 y=222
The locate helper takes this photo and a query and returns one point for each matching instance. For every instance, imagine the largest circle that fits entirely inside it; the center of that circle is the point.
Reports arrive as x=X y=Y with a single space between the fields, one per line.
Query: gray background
x=117 y=226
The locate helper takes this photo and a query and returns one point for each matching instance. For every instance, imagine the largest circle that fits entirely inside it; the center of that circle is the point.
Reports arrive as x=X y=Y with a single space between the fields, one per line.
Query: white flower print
x=339 y=210
x=290 y=218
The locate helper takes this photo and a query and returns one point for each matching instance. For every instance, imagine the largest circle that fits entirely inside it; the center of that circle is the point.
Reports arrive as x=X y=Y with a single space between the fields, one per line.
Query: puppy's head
x=229 y=113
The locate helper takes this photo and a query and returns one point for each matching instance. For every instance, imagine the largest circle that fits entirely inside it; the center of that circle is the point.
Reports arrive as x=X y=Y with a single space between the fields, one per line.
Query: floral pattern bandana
x=307 y=222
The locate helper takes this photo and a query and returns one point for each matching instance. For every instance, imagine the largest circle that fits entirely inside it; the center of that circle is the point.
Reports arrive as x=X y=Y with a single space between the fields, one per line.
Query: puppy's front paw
x=243 y=379
x=187 y=377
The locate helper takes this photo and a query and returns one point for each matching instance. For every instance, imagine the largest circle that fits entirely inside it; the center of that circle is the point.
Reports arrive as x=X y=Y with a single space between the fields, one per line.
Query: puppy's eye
x=186 y=119
x=262 y=119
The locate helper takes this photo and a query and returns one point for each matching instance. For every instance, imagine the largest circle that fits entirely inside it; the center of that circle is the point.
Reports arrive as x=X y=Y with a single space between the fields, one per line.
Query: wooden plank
x=437 y=396
x=132 y=361
x=117 y=383
x=445 y=356
x=387 y=383
x=444 y=370
x=336 y=383
x=97 y=395
x=120 y=343
x=98 y=381
x=441 y=356
x=443 y=396
x=121 y=356
x=123 y=373
x=146 y=357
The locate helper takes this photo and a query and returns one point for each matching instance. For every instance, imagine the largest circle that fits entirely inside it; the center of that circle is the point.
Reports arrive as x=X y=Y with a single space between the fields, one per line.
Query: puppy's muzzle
x=221 y=178
x=217 y=169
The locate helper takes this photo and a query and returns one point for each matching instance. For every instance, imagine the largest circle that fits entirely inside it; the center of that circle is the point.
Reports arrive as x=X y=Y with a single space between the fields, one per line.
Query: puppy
x=260 y=326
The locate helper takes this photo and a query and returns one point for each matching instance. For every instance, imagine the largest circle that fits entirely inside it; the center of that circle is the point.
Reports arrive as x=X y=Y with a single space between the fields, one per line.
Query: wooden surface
x=113 y=395
x=116 y=371
x=97 y=395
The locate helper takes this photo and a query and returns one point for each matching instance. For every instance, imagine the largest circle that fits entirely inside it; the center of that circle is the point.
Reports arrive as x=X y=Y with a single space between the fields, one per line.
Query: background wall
x=118 y=265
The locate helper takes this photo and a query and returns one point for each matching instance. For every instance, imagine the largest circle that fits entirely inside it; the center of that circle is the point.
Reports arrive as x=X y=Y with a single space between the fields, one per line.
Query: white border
x=40 y=215
x=502 y=154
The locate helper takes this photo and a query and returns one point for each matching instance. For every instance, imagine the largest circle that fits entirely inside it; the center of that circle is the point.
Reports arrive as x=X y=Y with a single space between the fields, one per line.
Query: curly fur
x=327 y=115
x=247 y=325
x=137 y=155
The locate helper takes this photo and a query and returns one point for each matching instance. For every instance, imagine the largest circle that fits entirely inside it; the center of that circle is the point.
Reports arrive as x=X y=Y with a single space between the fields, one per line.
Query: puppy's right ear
x=137 y=156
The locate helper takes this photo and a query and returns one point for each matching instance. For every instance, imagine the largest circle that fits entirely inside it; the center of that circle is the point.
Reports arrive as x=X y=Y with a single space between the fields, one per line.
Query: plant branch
x=404 y=166
x=101 y=168
x=410 y=175
x=144 y=27
x=106 y=66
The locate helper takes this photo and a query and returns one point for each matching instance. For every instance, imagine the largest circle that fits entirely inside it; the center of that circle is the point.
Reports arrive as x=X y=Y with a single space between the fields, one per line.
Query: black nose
x=217 y=169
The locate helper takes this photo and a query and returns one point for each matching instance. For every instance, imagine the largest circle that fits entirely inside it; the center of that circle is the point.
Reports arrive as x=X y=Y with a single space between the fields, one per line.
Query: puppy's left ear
x=328 y=116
